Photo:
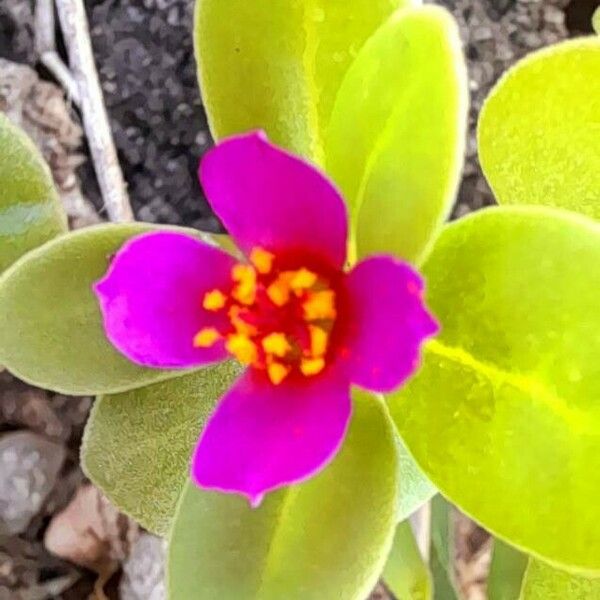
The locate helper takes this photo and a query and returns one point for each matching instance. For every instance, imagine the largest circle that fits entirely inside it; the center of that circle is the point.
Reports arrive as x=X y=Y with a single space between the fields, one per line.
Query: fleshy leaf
x=138 y=444
x=442 y=550
x=405 y=572
x=543 y=582
x=415 y=488
x=516 y=292
x=278 y=65
x=51 y=332
x=325 y=539
x=395 y=143
x=30 y=209
x=506 y=572
x=539 y=136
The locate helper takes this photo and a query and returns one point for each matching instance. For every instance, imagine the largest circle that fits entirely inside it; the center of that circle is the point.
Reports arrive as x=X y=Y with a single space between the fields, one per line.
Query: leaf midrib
x=282 y=512
x=574 y=417
x=312 y=89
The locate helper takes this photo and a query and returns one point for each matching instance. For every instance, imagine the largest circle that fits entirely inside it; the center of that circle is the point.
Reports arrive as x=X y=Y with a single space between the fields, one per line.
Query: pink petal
x=268 y=198
x=263 y=436
x=388 y=323
x=151 y=299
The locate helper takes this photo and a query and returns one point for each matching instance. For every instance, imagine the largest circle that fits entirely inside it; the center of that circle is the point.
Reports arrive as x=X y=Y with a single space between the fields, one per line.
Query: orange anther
x=319 y=340
x=302 y=279
x=262 y=260
x=277 y=372
x=320 y=305
x=276 y=344
x=312 y=366
x=206 y=337
x=245 y=290
x=279 y=291
x=242 y=347
x=214 y=300
x=240 y=324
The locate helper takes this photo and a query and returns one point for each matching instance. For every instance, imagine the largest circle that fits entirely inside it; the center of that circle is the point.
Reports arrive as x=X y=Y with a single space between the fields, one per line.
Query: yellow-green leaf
x=277 y=65
x=442 y=550
x=325 y=539
x=395 y=143
x=539 y=130
x=543 y=582
x=30 y=209
x=137 y=445
x=51 y=332
x=504 y=414
x=415 y=488
x=405 y=572
x=506 y=572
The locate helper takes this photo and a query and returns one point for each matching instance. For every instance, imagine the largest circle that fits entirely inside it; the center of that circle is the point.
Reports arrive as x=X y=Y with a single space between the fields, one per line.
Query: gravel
x=143 y=571
x=29 y=466
x=148 y=76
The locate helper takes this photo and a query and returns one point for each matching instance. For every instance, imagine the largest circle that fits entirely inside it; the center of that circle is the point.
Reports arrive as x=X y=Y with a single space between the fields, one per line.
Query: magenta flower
x=305 y=328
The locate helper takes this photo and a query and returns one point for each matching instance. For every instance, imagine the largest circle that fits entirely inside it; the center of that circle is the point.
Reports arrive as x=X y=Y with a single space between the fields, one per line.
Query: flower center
x=279 y=320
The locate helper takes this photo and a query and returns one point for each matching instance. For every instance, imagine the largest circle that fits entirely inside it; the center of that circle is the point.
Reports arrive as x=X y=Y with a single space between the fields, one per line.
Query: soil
x=145 y=59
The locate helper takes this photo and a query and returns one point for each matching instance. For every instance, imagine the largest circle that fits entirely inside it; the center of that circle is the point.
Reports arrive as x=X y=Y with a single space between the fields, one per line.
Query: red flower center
x=280 y=319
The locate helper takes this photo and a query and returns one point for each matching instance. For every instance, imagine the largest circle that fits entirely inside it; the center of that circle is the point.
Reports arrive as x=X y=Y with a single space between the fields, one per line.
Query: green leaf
x=506 y=572
x=327 y=538
x=543 y=582
x=442 y=550
x=405 y=573
x=278 y=65
x=395 y=143
x=539 y=131
x=503 y=415
x=157 y=425
x=51 y=333
x=30 y=209
x=415 y=489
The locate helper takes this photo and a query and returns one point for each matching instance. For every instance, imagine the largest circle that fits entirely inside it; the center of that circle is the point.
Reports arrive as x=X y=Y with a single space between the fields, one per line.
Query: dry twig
x=45 y=47
x=75 y=29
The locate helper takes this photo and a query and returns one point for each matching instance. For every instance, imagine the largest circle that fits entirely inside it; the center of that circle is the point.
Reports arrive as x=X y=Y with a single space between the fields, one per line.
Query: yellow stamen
x=245 y=290
x=276 y=344
x=319 y=339
x=279 y=291
x=320 y=305
x=214 y=300
x=302 y=279
x=262 y=260
x=206 y=337
x=242 y=347
x=241 y=326
x=312 y=366
x=277 y=372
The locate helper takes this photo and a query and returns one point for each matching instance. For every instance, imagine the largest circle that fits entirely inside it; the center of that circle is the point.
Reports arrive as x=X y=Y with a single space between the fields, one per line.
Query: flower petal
x=263 y=436
x=268 y=198
x=151 y=299
x=388 y=323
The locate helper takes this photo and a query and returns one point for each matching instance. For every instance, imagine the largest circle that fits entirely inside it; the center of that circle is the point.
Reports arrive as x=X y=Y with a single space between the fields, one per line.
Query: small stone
x=29 y=465
x=91 y=532
x=144 y=570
